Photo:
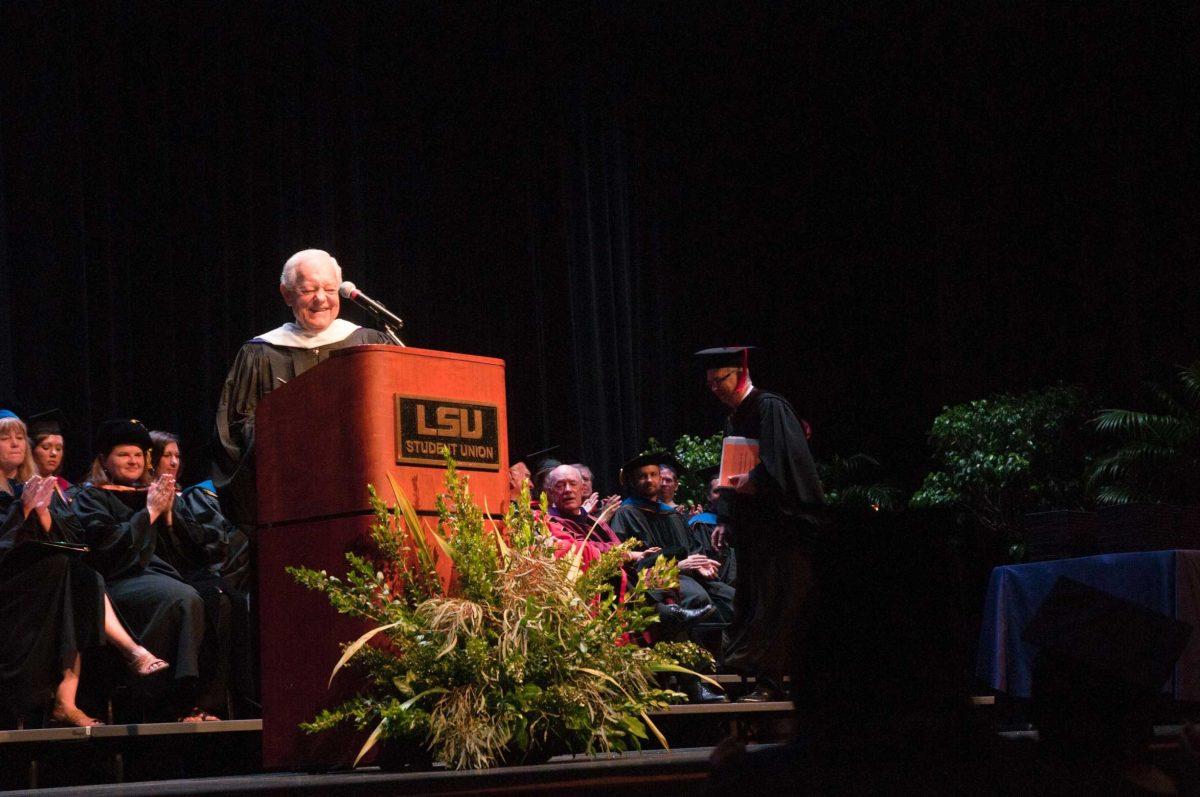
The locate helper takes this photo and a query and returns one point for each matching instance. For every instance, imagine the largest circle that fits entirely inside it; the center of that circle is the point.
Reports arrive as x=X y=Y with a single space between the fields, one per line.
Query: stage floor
x=661 y=773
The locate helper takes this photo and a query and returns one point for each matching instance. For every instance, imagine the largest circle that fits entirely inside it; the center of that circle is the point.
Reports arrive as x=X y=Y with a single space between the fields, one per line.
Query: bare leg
x=65 y=709
x=141 y=661
x=116 y=632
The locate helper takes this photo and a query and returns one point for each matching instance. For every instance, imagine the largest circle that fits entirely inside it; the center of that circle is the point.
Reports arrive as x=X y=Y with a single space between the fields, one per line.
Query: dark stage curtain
x=161 y=164
x=905 y=206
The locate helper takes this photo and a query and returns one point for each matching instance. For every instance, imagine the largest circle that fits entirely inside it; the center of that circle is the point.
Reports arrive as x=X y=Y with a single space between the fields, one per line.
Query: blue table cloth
x=1167 y=582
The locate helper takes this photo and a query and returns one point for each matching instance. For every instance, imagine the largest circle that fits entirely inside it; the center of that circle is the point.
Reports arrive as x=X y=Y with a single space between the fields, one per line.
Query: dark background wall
x=904 y=205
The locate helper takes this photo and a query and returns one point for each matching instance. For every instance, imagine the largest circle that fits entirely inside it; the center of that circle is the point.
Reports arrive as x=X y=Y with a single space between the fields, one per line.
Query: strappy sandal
x=198 y=714
x=144 y=663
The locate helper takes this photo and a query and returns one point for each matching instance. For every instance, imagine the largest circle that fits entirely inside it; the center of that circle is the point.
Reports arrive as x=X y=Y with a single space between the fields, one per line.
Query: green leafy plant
x=1000 y=457
x=1157 y=454
x=486 y=646
x=855 y=481
x=689 y=655
x=694 y=453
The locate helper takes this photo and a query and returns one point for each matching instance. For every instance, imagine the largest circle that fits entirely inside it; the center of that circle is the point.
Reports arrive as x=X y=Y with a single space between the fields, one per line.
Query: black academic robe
x=197 y=550
x=259 y=368
x=785 y=480
x=230 y=625
x=656 y=525
x=700 y=529
x=162 y=612
x=51 y=603
x=770 y=531
x=234 y=567
x=194 y=549
x=659 y=526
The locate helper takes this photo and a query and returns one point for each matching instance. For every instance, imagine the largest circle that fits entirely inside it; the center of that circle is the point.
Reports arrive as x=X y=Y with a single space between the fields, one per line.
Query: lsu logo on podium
x=424 y=425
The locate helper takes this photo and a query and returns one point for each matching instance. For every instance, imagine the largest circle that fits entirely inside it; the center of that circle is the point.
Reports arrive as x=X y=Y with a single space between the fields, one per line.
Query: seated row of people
x=130 y=561
x=705 y=588
x=126 y=560
x=649 y=514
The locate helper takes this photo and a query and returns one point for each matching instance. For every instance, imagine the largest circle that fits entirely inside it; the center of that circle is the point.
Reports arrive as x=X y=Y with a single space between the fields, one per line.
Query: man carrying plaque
x=768 y=516
x=309 y=286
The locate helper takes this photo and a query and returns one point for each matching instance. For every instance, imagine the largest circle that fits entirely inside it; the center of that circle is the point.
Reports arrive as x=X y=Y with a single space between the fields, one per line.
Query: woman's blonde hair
x=7 y=427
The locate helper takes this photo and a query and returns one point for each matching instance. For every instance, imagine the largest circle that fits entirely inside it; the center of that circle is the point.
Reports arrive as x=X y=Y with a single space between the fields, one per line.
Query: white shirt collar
x=295 y=336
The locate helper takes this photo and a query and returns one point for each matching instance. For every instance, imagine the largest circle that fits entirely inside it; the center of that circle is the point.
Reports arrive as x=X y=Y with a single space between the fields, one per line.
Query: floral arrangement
x=493 y=645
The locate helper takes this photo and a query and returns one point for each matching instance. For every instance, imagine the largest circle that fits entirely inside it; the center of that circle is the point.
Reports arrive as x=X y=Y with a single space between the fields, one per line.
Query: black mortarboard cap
x=122 y=432
x=1107 y=635
x=706 y=475
x=48 y=422
x=724 y=357
x=541 y=459
x=651 y=458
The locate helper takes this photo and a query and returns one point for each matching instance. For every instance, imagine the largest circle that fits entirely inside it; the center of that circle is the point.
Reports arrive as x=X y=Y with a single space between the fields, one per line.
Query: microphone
x=348 y=290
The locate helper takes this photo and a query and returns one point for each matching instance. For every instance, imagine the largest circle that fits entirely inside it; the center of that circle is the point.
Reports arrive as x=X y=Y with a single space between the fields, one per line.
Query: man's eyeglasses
x=716 y=380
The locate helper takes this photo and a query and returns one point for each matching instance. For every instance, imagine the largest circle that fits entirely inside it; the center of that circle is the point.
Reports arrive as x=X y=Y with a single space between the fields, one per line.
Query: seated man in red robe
x=573 y=526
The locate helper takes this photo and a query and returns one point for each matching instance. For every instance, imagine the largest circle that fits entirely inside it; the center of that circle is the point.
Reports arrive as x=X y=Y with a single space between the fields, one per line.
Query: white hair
x=287 y=277
x=552 y=480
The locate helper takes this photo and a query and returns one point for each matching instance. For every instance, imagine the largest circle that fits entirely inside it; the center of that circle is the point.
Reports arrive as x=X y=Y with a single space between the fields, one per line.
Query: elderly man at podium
x=309 y=286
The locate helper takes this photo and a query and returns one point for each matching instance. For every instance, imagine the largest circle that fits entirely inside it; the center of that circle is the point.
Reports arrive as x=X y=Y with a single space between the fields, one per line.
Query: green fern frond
x=1113 y=494
x=1149 y=453
x=847 y=470
x=1131 y=424
x=1169 y=403
x=1110 y=467
x=1190 y=377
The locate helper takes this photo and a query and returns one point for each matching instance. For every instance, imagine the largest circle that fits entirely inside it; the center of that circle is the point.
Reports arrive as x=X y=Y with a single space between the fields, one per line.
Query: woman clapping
x=123 y=512
x=52 y=605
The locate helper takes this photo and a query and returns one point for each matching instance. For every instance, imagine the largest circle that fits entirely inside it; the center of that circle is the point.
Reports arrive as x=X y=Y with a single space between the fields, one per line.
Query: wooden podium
x=320 y=440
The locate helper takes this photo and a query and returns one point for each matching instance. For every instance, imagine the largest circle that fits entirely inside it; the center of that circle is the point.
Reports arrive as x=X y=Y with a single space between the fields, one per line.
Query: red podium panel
x=365 y=412
x=322 y=438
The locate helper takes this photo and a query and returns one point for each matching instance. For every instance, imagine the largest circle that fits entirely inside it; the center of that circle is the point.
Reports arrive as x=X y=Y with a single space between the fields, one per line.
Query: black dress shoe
x=676 y=615
x=761 y=694
x=698 y=692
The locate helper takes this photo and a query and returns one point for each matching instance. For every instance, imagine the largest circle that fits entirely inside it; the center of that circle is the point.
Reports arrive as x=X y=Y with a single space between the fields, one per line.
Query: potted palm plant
x=1146 y=484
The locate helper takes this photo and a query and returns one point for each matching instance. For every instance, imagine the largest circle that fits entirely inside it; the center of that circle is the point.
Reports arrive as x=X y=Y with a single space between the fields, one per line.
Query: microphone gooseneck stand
x=391 y=333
